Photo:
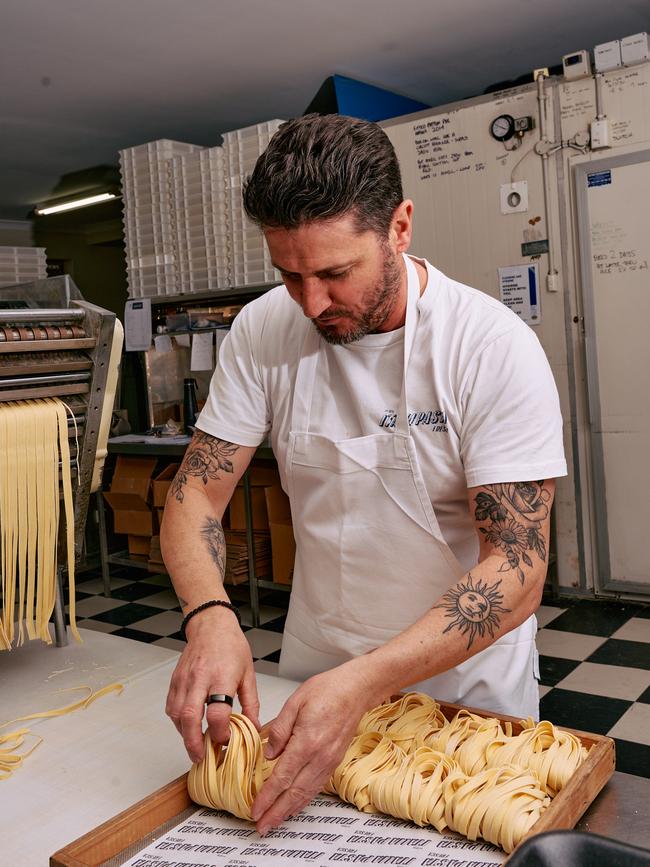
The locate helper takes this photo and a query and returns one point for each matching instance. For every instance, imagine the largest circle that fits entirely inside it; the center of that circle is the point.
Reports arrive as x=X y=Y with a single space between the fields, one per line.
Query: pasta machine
x=53 y=343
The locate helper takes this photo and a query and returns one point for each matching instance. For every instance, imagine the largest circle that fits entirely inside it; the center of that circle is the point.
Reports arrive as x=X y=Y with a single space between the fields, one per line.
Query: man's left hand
x=310 y=734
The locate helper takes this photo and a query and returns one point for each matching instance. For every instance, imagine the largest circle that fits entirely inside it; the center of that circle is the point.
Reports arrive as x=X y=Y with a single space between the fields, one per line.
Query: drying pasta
x=33 y=449
x=499 y=805
x=11 y=742
x=370 y=754
x=404 y=718
x=10 y=758
x=552 y=754
x=469 y=774
x=230 y=778
x=413 y=789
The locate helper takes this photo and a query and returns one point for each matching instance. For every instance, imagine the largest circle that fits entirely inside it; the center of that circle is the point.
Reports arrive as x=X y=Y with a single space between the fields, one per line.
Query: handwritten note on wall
x=612 y=252
x=443 y=150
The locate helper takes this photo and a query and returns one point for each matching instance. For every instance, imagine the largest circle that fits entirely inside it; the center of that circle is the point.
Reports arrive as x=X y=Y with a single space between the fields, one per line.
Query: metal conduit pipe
x=544 y=148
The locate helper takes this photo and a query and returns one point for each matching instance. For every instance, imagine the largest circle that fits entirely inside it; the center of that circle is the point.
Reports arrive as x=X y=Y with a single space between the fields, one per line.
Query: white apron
x=370 y=556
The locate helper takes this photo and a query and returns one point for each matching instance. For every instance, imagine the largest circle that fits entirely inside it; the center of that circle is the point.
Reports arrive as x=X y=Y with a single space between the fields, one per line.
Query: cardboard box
x=130 y=495
x=139 y=545
x=283 y=545
x=260 y=478
x=237 y=509
x=162 y=483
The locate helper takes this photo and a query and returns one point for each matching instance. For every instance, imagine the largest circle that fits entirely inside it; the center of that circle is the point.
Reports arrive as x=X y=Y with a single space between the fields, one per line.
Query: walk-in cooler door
x=613 y=213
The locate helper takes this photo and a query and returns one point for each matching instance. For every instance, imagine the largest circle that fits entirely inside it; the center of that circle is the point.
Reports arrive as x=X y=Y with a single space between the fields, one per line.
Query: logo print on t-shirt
x=436 y=419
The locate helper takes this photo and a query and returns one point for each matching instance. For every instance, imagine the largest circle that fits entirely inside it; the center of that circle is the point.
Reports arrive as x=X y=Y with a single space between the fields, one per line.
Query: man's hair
x=320 y=167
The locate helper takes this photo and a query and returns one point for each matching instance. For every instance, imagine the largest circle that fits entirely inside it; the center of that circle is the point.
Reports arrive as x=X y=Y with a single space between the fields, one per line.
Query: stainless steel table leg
x=103 y=543
x=60 y=631
x=250 y=545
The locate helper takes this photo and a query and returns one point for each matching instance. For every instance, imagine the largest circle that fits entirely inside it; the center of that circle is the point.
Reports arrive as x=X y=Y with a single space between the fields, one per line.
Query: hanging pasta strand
x=34 y=449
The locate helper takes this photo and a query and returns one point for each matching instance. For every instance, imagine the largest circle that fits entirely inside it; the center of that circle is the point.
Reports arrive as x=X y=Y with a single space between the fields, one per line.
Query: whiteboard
x=613 y=207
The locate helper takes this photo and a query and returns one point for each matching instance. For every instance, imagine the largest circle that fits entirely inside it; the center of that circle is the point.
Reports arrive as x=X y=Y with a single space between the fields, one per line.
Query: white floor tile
x=165 y=623
x=612 y=681
x=263 y=641
x=170 y=643
x=96 y=585
x=544 y=689
x=98 y=626
x=267 y=613
x=546 y=613
x=634 y=725
x=265 y=666
x=636 y=629
x=165 y=599
x=97 y=605
x=567 y=645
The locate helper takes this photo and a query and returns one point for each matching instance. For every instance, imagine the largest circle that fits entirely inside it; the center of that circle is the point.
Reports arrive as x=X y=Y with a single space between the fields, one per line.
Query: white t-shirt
x=483 y=406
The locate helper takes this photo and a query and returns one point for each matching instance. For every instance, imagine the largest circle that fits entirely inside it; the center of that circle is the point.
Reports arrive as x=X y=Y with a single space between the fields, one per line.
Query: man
x=412 y=419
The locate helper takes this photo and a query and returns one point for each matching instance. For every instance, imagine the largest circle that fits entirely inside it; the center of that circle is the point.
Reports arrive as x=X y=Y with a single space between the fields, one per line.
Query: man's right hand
x=217 y=659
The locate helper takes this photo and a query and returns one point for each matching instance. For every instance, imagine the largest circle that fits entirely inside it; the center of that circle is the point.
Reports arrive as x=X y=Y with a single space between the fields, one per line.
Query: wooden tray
x=136 y=822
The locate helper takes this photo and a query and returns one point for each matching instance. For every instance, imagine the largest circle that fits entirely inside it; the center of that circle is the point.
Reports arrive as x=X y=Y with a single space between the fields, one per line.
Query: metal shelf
x=216 y=294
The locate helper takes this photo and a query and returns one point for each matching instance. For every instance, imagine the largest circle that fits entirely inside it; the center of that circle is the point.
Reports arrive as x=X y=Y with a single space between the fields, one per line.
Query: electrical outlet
x=514 y=197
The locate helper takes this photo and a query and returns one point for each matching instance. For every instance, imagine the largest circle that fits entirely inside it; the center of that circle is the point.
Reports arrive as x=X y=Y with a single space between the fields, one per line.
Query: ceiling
x=82 y=79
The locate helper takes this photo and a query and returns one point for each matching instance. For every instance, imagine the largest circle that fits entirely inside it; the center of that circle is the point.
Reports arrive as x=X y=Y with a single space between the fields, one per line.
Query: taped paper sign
x=519 y=290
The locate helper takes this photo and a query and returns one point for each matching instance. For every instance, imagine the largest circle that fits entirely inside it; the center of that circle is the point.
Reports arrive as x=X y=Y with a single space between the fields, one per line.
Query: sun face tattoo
x=205 y=457
x=474 y=610
x=517 y=512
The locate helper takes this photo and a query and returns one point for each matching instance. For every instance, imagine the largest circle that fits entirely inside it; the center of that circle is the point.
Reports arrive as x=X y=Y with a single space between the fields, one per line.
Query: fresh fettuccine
x=34 y=449
x=470 y=774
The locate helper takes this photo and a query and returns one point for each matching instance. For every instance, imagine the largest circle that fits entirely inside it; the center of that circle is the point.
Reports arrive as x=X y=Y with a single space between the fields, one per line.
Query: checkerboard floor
x=594 y=656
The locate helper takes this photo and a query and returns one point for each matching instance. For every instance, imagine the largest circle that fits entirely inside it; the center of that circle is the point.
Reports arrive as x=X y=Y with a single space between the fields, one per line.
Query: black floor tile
x=275 y=598
x=553 y=669
x=645 y=696
x=578 y=710
x=136 y=635
x=272 y=657
x=644 y=612
x=276 y=625
x=549 y=600
x=594 y=618
x=633 y=654
x=134 y=591
x=177 y=635
x=87 y=576
x=79 y=595
x=632 y=758
x=127 y=614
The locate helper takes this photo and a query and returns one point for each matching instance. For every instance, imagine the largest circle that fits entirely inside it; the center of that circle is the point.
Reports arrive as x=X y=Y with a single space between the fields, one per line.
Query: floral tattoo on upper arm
x=517 y=512
x=205 y=457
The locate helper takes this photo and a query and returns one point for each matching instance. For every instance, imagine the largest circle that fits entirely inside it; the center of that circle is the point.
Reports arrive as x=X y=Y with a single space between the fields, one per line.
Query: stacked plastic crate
x=199 y=214
x=250 y=262
x=21 y=265
x=149 y=222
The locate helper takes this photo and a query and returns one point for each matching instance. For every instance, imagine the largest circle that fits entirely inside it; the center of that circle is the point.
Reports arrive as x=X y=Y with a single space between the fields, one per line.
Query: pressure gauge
x=502 y=128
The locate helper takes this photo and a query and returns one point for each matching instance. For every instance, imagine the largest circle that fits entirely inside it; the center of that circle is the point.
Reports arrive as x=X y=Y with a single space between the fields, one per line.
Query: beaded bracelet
x=205 y=605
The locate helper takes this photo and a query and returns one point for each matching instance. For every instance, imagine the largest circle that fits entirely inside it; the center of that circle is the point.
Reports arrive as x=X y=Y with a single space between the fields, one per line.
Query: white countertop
x=93 y=763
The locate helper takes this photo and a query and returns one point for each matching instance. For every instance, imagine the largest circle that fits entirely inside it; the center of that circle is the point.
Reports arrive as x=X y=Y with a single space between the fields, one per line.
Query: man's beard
x=379 y=305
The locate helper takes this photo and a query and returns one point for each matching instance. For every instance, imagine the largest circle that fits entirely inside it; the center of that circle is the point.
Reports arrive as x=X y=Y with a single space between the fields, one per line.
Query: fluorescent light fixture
x=75 y=203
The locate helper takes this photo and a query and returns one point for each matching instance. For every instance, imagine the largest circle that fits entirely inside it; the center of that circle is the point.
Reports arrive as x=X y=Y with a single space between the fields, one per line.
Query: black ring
x=220 y=698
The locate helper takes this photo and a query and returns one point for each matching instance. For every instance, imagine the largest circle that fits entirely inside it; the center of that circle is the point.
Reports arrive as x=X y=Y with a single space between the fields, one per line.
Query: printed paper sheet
x=326 y=833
